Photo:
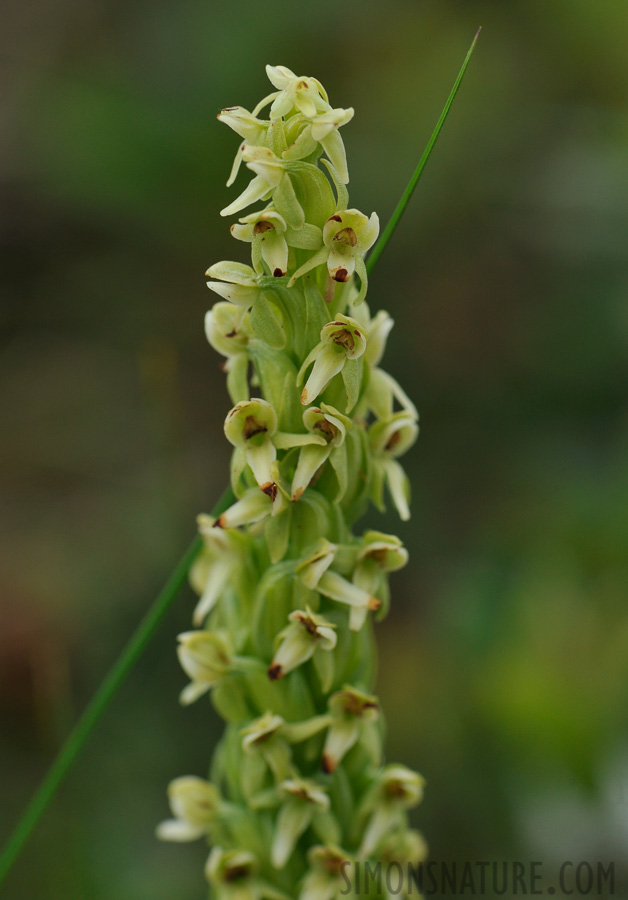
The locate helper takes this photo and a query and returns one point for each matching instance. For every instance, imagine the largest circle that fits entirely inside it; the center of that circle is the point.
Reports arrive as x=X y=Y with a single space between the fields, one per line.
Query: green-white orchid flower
x=306 y=633
x=227 y=332
x=397 y=790
x=321 y=129
x=314 y=573
x=250 y=128
x=238 y=283
x=331 y=425
x=265 y=231
x=327 y=878
x=389 y=439
x=404 y=849
x=271 y=737
x=300 y=92
x=380 y=553
x=347 y=235
x=304 y=798
x=272 y=178
x=353 y=714
x=341 y=340
x=382 y=390
x=253 y=506
x=206 y=656
x=195 y=805
x=220 y=562
x=250 y=426
x=234 y=875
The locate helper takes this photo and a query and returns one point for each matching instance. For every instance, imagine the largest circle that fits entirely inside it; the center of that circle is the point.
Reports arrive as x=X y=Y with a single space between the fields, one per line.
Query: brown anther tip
x=340 y=275
x=304 y=396
x=270 y=489
x=327 y=764
x=275 y=672
x=334 y=218
x=297 y=495
x=374 y=603
x=219 y=523
x=278 y=273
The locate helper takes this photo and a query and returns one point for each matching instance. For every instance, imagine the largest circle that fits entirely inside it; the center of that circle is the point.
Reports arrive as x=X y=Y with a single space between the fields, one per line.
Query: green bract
x=287 y=593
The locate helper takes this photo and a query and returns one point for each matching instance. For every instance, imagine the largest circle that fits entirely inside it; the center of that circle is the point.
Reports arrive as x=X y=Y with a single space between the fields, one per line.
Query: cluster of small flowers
x=283 y=635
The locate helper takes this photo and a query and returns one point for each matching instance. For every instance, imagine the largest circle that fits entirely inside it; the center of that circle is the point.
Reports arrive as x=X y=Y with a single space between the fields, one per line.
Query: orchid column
x=283 y=638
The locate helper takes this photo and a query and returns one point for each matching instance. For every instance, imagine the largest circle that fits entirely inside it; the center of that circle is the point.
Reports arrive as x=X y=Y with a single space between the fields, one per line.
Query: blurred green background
x=504 y=662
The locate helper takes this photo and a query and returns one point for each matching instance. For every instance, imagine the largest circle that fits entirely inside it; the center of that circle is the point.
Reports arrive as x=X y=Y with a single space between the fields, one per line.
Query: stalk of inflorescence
x=288 y=592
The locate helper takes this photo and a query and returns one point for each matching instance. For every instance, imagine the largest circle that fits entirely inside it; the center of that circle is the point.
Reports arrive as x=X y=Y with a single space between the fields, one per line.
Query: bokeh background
x=504 y=662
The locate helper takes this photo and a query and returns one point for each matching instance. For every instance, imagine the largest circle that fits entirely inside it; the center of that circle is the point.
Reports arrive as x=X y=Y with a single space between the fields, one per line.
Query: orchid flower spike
x=282 y=637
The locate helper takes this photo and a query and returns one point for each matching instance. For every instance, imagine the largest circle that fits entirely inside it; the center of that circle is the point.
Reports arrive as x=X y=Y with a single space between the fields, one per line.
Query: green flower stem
x=407 y=194
x=101 y=700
